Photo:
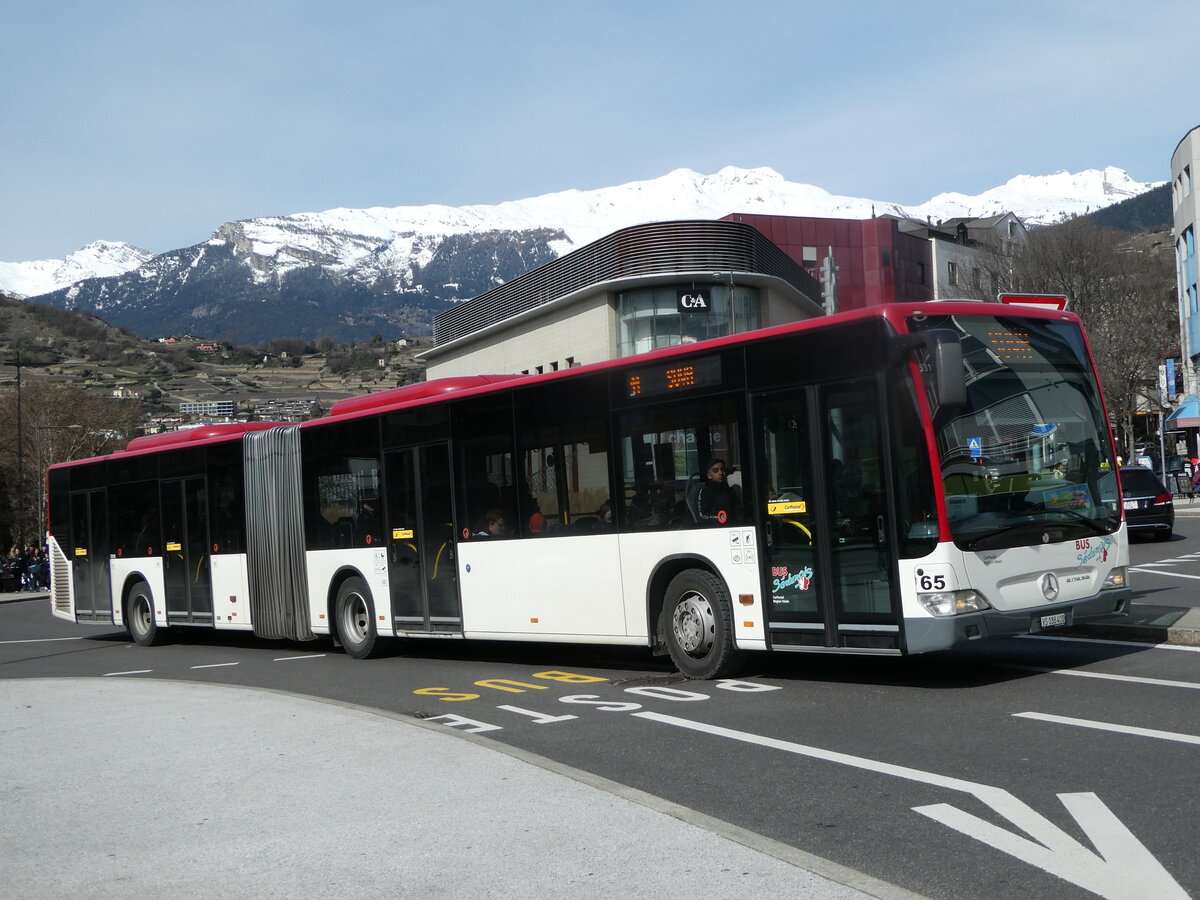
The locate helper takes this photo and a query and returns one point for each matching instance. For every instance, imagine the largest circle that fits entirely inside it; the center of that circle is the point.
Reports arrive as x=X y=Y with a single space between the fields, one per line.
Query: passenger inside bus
x=716 y=502
x=494 y=524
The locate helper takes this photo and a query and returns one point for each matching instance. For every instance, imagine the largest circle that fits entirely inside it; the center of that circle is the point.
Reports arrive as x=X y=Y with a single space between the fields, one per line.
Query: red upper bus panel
x=419 y=391
x=203 y=433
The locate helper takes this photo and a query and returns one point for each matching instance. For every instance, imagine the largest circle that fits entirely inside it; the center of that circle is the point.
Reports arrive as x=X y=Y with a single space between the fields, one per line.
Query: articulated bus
x=899 y=480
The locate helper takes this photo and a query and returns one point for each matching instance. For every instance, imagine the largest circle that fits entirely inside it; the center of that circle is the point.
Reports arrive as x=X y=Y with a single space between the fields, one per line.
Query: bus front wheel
x=355 y=617
x=698 y=620
x=139 y=617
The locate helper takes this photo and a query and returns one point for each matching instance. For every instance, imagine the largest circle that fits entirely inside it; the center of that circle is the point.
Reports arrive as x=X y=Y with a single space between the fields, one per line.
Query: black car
x=1148 y=505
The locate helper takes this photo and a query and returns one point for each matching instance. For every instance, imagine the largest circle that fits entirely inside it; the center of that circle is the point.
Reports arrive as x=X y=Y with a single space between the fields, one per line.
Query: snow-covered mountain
x=347 y=272
x=98 y=259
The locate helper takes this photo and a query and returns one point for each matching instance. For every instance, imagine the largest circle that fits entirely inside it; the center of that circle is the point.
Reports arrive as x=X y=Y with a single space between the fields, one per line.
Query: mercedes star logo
x=1049 y=586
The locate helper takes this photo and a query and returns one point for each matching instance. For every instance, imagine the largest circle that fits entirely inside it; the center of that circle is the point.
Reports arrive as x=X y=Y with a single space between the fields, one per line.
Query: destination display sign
x=666 y=378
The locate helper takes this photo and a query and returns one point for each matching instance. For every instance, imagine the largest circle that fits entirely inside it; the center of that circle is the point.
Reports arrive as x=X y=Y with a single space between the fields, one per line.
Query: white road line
x=1111 y=726
x=1160 y=572
x=42 y=640
x=1081 y=640
x=290 y=658
x=1133 y=679
x=134 y=672
x=216 y=665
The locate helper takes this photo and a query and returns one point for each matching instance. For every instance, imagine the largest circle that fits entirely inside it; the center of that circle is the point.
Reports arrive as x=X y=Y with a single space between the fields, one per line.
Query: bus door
x=89 y=555
x=420 y=522
x=828 y=554
x=185 y=550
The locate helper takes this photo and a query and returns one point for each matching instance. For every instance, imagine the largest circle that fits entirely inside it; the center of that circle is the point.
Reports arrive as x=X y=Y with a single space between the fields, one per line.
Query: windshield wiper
x=996 y=532
x=1095 y=524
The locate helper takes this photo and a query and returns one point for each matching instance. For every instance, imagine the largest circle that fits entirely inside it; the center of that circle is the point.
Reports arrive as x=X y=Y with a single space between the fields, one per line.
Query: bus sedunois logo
x=1049 y=586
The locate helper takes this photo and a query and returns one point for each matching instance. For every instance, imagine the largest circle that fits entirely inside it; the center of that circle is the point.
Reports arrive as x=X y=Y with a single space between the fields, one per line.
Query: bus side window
x=563 y=469
x=667 y=452
x=483 y=432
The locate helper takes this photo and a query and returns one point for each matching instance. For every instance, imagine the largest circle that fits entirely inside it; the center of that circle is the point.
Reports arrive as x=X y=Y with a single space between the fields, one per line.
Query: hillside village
x=188 y=379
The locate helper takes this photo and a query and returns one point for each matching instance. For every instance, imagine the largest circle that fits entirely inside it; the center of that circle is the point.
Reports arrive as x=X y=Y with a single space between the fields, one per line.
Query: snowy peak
x=98 y=259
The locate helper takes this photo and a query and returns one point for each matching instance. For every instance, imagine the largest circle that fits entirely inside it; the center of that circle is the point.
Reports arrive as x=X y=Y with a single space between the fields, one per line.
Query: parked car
x=1149 y=508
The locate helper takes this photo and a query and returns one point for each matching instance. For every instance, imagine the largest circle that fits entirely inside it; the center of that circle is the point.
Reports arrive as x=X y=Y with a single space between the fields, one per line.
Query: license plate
x=1054 y=621
x=1131 y=504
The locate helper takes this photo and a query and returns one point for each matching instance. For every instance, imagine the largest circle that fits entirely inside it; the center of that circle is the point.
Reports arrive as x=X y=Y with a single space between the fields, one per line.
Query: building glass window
x=952 y=273
x=669 y=315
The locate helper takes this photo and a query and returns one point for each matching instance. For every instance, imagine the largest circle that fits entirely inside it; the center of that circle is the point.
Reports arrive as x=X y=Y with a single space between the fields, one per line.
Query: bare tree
x=1123 y=289
x=58 y=423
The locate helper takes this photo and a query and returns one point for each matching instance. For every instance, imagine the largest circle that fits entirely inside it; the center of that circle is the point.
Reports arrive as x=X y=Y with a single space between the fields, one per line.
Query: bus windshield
x=1027 y=459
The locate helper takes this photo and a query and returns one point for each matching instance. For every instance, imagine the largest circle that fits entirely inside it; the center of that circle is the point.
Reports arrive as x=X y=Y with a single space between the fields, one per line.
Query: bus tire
x=355 y=617
x=698 y=621
x=139 y=617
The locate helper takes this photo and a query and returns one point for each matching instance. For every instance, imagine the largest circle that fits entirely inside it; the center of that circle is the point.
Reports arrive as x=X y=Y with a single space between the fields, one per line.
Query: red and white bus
x=897 y=480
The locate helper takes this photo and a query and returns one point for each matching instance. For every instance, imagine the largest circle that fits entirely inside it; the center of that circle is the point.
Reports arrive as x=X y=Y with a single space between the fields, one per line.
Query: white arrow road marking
x=1112 y=726
x=1123 y=869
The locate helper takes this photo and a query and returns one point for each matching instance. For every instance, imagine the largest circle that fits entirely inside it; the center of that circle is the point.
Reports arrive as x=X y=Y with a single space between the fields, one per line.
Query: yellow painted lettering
x=518 y=687
x=445 y=694
x=568 y=677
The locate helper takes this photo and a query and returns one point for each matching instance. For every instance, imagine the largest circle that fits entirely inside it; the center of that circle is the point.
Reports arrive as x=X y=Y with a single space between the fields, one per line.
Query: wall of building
x=876 y=263
x=1185 y=201
x=581 y=331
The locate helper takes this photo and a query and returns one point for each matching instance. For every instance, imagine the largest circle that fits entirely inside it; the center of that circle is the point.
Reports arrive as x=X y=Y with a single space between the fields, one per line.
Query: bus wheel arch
x=353 y=616
x=137 y=611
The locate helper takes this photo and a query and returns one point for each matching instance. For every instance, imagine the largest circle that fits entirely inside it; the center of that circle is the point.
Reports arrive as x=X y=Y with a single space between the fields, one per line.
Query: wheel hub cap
x=693 y=625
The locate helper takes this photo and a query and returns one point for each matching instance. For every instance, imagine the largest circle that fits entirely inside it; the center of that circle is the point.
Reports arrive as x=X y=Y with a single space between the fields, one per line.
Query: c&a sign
x=697 y=300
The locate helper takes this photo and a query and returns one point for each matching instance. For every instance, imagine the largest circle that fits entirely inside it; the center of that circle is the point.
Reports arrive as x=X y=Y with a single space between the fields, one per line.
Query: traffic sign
x=1045 y=301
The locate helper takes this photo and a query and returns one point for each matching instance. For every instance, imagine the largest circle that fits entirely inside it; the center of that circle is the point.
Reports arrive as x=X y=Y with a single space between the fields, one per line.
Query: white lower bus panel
x=324 y=566
x=123 y=570
x=230 y=596
x=544 y=589
x=731 y=552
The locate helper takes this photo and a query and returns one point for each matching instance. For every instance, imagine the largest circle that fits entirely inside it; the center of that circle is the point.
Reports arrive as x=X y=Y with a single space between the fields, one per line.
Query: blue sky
x=154 y=122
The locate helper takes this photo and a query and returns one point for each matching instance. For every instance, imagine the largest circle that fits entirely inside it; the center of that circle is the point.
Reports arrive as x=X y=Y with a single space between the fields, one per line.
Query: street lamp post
x=41 y=495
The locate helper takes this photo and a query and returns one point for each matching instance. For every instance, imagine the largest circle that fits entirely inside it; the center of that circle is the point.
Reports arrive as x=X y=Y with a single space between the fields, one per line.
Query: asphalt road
x=1046 y=767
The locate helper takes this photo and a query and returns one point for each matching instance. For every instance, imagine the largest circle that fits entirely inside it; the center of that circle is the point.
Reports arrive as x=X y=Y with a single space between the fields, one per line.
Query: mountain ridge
x=351 y=272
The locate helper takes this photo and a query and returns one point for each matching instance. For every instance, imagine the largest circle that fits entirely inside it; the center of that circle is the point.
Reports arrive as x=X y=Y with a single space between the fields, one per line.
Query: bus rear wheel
x=698 y=620
x=139 y=617
x=355 y=617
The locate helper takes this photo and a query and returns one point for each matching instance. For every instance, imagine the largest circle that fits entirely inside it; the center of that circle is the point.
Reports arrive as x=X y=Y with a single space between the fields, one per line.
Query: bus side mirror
x=945 y=362
x=949 y=378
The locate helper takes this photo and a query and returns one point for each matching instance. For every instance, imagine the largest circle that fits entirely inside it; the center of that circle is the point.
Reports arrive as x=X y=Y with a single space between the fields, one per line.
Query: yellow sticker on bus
x=783 y=507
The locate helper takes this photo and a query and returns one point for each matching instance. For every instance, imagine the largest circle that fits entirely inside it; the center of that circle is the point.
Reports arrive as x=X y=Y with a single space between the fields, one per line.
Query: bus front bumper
x=925 y=634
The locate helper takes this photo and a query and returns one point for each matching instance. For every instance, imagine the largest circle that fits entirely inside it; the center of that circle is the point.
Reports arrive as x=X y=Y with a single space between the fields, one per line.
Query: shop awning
x=1187 y=415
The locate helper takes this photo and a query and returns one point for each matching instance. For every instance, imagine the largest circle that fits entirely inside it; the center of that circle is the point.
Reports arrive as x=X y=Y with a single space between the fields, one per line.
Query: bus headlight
x=1116 y=579
x=952 y=603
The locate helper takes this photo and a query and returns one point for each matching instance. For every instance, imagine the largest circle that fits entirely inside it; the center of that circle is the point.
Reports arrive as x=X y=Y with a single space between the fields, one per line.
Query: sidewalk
x=143 y=789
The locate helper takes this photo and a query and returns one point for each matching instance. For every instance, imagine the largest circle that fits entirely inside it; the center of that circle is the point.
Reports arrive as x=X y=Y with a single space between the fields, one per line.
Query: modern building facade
x=643 y=287
x=1185 y=204
x=667 y=283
